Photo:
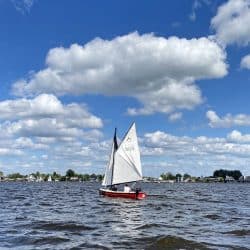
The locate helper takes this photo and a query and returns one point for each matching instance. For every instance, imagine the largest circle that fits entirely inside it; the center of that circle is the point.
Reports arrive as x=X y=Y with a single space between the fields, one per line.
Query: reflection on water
x=127 y=215
x=174 y=216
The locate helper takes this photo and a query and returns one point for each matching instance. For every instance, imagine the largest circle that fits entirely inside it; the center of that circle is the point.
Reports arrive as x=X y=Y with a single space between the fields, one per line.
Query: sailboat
x=124 y=167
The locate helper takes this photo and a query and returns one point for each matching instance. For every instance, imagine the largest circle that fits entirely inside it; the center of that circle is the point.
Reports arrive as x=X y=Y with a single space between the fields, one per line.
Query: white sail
x=107 y=180
x=127 y=162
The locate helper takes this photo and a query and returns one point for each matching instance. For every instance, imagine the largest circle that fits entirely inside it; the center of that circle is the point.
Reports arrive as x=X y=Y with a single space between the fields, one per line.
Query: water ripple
x=67 y=215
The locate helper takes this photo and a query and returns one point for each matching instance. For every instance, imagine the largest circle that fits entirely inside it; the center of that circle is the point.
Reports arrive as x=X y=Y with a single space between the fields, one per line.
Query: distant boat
x=31 y=178
x=49 y=178
x=124 y=167
x=39 y=179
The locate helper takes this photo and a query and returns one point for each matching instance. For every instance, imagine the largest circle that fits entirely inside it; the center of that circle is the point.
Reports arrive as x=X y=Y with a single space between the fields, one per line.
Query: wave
x=62 y=226
x=45 y=204
x=174 y=242
x=51 y=240
x=90 y=246
x=19 y=197
x=110 y=222
x=212 y=216
x=240 y=232
x=21 y=218
x=146 y=226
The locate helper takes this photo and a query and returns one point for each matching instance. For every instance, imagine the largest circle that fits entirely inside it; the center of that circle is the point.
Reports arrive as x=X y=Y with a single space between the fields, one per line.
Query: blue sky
x=71 y=72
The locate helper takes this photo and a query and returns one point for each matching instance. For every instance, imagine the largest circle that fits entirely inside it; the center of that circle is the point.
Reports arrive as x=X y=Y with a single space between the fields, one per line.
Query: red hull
x=120 y=194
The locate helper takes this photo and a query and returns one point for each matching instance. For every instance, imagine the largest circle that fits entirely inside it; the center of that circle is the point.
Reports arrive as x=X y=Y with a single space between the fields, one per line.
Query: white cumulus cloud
x=231 y=22
x=245 y=62
x=159 y=72
x=48 y=107
x=23 y=6
x=237 y=136
x=175 y=116
x=228 y=120
x=38 y=123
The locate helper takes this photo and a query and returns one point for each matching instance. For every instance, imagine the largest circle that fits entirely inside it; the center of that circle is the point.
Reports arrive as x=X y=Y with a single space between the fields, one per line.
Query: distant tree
x=55 y=175
x=15 y=176
x=85 y=177
x=93 y=176
x=62 y=178
x=222 y=173
x=167 y=176
x=1 y=173
x=44 y=176
x=37 y=174
x=163 y=176
x=100 y=177
x=70 y=173
x=186 y=176
x=170 y=176
x=236 y=174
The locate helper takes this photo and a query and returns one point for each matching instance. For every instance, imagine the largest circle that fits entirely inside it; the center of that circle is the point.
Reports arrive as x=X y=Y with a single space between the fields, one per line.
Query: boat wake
x=157 y=195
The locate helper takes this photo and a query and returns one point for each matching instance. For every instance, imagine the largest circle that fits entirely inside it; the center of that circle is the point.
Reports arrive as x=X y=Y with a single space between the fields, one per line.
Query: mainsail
x=125 y=163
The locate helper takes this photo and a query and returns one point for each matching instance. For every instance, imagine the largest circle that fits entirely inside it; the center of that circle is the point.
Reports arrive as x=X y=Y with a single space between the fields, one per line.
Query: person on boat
x=114 y=188
x=127 y=188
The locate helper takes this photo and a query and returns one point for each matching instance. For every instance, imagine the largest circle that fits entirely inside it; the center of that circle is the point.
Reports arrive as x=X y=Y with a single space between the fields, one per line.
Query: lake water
x=174 y=216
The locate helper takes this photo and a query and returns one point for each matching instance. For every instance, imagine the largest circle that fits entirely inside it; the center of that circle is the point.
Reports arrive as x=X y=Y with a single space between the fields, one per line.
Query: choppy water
x=174 y=216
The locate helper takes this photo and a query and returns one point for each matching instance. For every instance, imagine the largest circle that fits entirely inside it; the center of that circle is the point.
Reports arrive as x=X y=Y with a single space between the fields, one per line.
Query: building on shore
x=244 y=179
x=229 y=179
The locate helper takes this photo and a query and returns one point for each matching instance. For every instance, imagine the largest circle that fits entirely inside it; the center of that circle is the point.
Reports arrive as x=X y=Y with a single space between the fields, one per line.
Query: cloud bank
x=200 y=155
x=47 y=132
x=46 y=117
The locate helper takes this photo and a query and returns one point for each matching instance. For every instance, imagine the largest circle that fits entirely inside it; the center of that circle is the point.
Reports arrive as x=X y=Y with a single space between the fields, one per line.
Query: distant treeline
x=72 y=175
x=223 y=173
x=171 y=177
x=69 y=175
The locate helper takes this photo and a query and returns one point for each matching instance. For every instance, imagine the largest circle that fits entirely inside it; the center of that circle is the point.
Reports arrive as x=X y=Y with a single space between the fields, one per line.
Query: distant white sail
x=127 y=161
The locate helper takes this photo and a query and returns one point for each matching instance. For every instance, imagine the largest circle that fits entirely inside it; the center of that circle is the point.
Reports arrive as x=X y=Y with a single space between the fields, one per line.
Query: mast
x=113 y=163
